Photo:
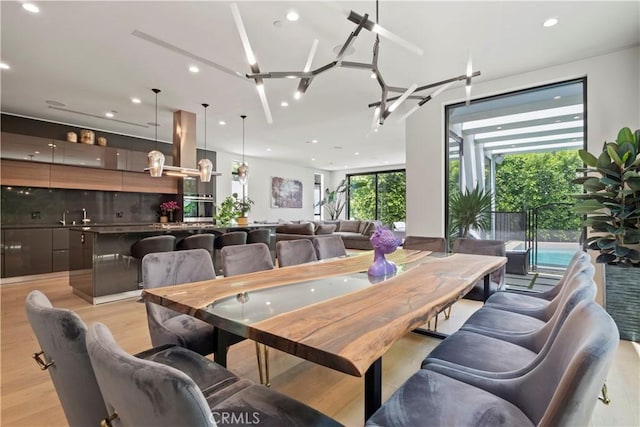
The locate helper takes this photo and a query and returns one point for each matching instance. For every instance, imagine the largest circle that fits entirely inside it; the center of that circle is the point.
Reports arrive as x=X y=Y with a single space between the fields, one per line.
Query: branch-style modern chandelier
x=387 y=104
x=155 y=158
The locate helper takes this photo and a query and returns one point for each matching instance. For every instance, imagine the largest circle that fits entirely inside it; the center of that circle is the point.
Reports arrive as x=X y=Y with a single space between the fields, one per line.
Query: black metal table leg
x=487 y=288
x=373 y=388
x=222 y=341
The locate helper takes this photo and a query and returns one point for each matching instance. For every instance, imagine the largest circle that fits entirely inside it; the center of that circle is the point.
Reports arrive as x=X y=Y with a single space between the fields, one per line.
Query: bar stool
x=198 y=241
x=148 y=245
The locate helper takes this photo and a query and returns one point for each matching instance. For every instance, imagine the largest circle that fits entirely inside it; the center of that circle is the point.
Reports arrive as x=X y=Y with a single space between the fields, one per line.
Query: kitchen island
x=101 y=268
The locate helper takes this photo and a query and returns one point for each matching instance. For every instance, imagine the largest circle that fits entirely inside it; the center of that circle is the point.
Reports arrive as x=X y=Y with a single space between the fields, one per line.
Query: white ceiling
x=83 y=54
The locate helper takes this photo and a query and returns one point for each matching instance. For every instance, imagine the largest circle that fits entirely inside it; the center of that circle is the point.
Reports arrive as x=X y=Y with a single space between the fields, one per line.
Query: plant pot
x=242 y=220
x=164 y=219
x=622 y=299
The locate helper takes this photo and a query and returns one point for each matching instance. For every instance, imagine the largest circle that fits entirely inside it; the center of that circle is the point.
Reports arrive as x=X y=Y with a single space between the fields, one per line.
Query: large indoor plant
x=611 y=202
x=234 y=207
x=469 y=210
x=334 y=200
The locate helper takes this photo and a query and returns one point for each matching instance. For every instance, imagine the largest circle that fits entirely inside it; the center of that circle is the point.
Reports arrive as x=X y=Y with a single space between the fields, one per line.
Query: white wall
x=260 y=173
x=613 y=90
x=613 y=85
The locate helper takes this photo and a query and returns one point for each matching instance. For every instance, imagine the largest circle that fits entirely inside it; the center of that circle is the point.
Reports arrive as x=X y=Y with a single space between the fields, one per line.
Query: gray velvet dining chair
x=143 y=392
x=167 y=326
x=423 y=243
x=483 y=247
x=61 y=335
x=514 y=300
x=496 y=352
x=561 y=390
x=246 y=259
x=151 y=244
x=243 y=260
x=294 y=252
x=526 y=317
x=329 y=247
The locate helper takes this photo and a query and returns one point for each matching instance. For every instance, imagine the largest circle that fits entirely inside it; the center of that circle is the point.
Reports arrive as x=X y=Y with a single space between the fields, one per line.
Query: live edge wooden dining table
x=331 y=312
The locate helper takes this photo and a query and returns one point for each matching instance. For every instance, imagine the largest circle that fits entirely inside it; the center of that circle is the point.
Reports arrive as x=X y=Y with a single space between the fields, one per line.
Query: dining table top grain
x=330 y=312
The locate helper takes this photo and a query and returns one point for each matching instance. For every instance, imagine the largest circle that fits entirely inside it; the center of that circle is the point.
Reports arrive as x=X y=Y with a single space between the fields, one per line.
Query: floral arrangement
x=384 y=241
x=169 y=206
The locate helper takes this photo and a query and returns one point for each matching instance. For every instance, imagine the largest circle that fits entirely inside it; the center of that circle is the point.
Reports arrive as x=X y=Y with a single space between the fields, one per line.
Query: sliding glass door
x=377 y=195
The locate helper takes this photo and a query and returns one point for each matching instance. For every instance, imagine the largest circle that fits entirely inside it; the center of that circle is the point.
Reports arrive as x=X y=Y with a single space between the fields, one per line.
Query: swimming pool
x=554 y=255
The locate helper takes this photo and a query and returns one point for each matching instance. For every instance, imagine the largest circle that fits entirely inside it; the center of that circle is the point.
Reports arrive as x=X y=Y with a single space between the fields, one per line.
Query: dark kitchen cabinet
x=60 y=249
x=27 y=252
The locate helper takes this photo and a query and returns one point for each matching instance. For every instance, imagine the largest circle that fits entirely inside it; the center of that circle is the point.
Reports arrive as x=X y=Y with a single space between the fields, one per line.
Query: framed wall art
x=286 y=193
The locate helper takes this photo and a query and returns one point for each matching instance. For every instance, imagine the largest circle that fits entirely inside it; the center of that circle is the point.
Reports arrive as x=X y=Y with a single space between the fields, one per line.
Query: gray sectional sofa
x=355 y=234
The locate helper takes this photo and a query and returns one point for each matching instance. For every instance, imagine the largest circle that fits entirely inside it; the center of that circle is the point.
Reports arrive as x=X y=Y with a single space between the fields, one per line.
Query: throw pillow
x=325 y=229
x=349 y=226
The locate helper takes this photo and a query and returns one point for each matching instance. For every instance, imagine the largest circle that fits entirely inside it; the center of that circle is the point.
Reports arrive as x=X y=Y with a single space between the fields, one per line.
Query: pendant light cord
x=205 y=129
x=156 y=91
x=243 y=117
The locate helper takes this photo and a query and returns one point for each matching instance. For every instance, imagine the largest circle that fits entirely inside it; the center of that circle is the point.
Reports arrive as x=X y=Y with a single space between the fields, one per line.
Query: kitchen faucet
x=84 y=216
x=63 y=221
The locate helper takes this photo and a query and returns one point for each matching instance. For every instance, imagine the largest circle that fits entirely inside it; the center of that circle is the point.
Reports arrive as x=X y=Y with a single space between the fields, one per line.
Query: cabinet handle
x=82 y=238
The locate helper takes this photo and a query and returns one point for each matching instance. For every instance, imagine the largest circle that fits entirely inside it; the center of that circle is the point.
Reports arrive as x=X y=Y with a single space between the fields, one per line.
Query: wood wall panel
x=85 y=178
x=25 y=174
x=144 y=183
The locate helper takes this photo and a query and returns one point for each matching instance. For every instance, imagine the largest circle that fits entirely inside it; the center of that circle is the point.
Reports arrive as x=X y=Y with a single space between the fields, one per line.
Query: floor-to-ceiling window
x=377 y=195
x=522 y=148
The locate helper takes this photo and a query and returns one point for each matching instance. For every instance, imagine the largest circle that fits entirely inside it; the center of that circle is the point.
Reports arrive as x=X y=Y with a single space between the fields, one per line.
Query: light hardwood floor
x=28 y=397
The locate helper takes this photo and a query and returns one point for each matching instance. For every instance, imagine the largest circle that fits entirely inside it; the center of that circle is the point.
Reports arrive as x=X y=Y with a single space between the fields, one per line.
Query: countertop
x=162 y=228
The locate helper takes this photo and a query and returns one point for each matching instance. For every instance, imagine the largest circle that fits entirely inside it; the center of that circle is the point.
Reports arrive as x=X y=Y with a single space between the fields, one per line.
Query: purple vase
x=380 y=266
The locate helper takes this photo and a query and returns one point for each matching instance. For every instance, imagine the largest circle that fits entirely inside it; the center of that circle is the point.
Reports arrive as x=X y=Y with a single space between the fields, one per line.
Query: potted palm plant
x=611 y=202
x=469 y=209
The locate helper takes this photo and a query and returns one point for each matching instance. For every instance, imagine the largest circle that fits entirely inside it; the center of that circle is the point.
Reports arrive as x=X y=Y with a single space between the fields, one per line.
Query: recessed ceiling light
x=268 y=149
x=4 y=66
x=373 y=75
x=284 y=104
x=550 y=22
x=314 y=141
x=136 y=100
x=194 y=69
x=36 y=152
x=356 y=153
x=557 y=97
x=313 y=159
x=297 y=95
x=375 y=130
x=30 y=7
x=222 y=123
x=292 y=16
x=109 y=114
